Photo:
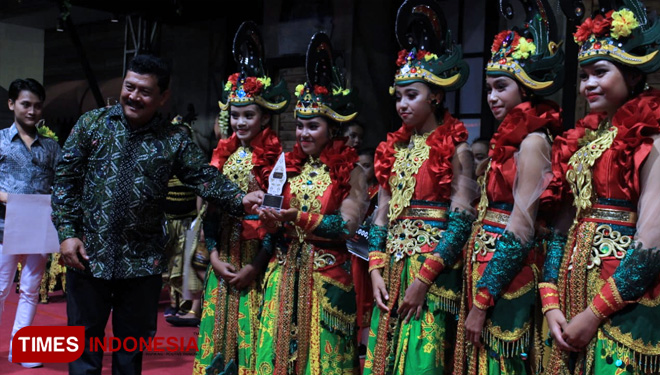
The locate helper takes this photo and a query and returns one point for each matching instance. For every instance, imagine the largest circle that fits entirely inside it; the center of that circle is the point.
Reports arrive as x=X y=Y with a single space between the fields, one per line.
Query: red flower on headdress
x=252 y=85
x=598 y=26
x=401 y=60
x=233 y=78
x=320 y=90
x=583 y=31
x=501 y=37
x=602 y=25
x=421 y=54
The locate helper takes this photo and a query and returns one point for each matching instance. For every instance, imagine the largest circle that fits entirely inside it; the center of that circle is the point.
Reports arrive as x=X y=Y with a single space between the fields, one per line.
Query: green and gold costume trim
x=501 y=279
x=449 y=247
x=408 y=159
x=238 y=167
x=579 y=175
x=228 y=326
x=306 y=190
x=554 y=251
x=506 y=262
x=605 y=243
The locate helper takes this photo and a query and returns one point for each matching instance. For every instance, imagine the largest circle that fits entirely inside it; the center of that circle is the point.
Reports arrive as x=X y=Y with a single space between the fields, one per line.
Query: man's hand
x=3 y=197
x=380 y=291
x=252 y=201
x=70 y=249
x=413 y=300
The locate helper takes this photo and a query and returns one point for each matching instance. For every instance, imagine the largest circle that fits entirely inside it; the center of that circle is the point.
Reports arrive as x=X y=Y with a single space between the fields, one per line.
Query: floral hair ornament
x=325 y=92
x=428 y=52
x=626 y=35
x=251 y=85
x=528 y=54
x=45 y=131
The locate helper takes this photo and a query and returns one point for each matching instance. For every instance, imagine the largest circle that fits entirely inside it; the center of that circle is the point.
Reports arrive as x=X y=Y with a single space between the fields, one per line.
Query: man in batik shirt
x=107 y=208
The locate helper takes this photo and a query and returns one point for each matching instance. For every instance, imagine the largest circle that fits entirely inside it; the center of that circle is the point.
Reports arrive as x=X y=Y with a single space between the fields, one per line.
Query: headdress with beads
x=325 y=92
x=623 y=34
x=251 y=85
x=529 y=53
x=428 y=52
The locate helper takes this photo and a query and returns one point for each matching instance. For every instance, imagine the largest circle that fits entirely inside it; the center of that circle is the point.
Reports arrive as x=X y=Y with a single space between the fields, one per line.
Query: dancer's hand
x=70 y=249
x=223 y=269
x=268 y=214
x=380 y=291
x=581 y=329
x=244 y=277
x=413 y=300
x=474 y=324
x=556 y=326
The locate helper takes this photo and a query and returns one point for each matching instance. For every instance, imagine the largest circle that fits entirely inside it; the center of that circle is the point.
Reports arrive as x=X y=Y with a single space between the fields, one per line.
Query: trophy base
x=272 y=201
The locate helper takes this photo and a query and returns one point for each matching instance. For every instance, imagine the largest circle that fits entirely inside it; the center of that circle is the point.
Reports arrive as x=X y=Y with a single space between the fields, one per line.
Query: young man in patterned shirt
x=27 y=166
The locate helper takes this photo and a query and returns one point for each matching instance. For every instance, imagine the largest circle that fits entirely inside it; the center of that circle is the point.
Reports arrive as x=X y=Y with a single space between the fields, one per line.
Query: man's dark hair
x=367 y=151
x=27 y=84
x=346 y=125
x=483 y=140
x=150 y=64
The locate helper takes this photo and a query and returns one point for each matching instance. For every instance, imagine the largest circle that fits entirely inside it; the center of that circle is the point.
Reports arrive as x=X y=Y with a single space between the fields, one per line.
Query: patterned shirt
x=23 y=170
x=111 y=186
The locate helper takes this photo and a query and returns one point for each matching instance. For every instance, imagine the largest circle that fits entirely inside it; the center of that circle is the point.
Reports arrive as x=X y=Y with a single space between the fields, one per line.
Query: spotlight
x=114 y=18
x=60 y=24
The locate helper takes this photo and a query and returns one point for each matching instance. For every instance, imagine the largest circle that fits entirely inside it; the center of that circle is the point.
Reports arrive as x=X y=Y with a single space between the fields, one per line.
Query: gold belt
x=497 y=217
x=434 y=213
x=484 y=242
x=612 y=214
x=608 y=242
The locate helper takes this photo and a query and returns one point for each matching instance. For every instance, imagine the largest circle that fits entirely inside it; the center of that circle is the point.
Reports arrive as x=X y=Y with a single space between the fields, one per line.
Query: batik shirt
x=23 y=170
x=111 y=186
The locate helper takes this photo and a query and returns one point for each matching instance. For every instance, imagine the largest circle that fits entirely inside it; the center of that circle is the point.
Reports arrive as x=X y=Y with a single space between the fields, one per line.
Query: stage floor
x=54 y=314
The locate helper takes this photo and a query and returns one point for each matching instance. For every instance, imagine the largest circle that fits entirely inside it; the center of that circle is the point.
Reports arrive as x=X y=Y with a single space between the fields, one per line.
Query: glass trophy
x=276 y=181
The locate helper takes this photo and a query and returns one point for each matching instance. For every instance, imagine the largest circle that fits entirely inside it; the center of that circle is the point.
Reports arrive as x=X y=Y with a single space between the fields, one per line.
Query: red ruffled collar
x=266 y=149
x=638 y=118
x=442 y=141
x=522 y=120
x=339 y=158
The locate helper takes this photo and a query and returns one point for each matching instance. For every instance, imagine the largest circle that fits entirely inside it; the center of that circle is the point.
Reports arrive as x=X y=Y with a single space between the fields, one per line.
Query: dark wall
x=200 y=49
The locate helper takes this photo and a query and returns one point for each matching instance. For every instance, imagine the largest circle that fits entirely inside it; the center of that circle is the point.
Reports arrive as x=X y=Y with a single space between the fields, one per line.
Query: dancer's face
x=480 y=152
x=604 y=86
x=414 y=103
x=247 y=121
x=503 y=95
x=312 y=135
x=355 y=134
